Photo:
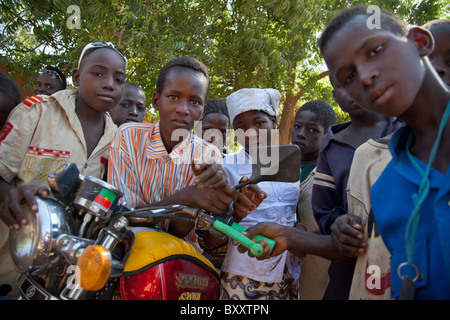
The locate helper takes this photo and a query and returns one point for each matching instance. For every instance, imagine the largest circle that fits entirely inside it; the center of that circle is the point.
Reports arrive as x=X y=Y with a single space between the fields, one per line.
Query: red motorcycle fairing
x=161 y=266
x=175 y=279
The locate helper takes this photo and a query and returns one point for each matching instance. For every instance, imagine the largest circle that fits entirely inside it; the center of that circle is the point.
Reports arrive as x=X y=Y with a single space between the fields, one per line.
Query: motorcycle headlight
x=32 y=247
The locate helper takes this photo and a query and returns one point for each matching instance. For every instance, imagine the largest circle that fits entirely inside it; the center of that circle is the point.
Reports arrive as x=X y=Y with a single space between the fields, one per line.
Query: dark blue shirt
x=329 y=197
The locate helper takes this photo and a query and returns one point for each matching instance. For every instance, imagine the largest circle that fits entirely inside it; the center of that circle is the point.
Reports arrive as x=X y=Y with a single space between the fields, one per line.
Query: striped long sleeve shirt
x=141 y=168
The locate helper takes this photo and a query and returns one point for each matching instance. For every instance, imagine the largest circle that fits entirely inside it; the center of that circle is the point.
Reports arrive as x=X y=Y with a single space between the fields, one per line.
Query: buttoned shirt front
x=143 y=170
x=39 y=137
x=279 y=207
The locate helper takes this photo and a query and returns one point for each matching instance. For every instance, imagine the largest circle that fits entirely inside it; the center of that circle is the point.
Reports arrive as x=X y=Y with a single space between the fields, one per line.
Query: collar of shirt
x=155 y=148
x=330 y=136
x=67 y=101
x=241 y=161
x=397 y=146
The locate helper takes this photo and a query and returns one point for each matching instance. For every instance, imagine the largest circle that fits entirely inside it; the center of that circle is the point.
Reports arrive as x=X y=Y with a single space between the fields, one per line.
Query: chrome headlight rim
x=32 y=248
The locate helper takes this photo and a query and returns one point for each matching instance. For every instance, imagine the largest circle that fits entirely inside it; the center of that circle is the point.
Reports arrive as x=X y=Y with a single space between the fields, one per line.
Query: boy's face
x=46 y=84
x=440 y=57
x=131 y=107
x=214 y=128
x=345 y=102
x=253 y=129
x=180 y=104
x=307 y=134
x=381 y=71
x=101 y=79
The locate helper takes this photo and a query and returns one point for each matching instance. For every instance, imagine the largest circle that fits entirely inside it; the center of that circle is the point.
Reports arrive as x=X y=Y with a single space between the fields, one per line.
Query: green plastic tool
x=234 y=232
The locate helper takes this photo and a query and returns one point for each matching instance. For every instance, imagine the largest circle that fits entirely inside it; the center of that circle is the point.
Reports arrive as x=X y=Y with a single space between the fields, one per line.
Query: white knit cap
x=244 y=100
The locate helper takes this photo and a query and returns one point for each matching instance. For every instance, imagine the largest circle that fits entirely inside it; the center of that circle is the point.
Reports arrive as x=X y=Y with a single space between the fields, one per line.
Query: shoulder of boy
x=33 y=100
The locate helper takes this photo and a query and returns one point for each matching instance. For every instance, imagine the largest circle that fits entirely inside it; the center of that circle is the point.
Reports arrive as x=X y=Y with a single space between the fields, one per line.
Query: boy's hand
x=209 y=174
x=347 y=233
x=212 y=200
x=273 y=231
x=249 y=198
x=11 y=212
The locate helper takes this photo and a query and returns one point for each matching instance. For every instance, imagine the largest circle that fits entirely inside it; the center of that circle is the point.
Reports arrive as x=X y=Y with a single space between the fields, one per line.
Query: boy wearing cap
x=253 y=117
x=152 y=164
x=50 y=80
x=44 y=132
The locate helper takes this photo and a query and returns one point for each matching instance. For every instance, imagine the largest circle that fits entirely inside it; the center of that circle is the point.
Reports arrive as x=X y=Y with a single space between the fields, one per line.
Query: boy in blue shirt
x=387 y=71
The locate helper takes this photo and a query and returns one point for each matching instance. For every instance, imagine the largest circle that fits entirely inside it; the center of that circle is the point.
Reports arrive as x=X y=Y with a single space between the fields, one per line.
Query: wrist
x=296 y=241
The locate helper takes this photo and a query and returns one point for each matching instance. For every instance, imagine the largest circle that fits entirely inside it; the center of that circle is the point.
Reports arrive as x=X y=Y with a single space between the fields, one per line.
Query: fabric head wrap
x=248 y=99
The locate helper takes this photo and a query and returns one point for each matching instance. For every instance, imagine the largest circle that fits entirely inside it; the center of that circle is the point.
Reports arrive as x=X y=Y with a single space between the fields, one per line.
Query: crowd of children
x=369 y=217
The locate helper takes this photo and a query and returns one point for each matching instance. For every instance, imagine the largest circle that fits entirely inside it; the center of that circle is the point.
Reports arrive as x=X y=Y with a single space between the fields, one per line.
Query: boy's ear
x=423 y=40
x=76 y=77
x=155 y=100
x=203 y=113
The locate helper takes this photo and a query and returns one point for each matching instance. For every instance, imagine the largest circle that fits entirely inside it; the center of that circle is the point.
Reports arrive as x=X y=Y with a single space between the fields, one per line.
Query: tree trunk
x=287 y=115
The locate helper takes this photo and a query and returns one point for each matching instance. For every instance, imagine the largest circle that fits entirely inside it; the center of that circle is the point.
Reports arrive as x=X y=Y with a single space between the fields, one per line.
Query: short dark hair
x=323 y=110
x=216 y=106
x=435 y=23
x=135 y=86
x=10 y=88
x=181 y=63
x=389 y=21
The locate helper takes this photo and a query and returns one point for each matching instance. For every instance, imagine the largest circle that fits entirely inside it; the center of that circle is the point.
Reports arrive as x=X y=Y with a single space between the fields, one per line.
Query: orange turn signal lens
x=95 y=266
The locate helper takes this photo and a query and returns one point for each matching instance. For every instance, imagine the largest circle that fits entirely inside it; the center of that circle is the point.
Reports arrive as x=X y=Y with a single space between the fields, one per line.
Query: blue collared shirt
x=392 y=206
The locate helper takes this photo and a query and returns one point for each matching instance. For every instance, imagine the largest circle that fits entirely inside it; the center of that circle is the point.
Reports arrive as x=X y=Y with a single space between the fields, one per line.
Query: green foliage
x=245 y=43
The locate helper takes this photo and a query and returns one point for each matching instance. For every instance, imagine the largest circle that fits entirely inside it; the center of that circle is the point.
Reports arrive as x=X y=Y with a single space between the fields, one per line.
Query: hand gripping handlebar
x=234 y=232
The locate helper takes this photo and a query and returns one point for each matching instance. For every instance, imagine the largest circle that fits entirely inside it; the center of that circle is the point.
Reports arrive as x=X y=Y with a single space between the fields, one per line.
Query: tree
x=245 y=43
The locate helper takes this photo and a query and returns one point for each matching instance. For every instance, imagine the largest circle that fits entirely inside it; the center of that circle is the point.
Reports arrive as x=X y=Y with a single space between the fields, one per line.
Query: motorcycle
x=86 y=244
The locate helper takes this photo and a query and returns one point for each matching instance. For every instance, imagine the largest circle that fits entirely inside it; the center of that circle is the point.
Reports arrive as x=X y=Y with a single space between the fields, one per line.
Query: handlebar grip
x=258 y=237
x=255 y=248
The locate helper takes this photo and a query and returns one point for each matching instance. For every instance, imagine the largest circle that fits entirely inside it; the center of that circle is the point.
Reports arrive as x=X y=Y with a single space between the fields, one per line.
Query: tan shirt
x=371 y=278
x=42 y=133
x=40 y=137
x=314 y=275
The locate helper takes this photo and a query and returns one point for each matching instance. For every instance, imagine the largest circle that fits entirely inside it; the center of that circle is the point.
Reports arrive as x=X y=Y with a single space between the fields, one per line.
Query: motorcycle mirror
x=274 y=163
x=64 y=182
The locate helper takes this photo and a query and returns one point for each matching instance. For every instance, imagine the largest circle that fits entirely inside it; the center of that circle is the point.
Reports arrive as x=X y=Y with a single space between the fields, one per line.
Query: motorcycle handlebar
x=227 y=226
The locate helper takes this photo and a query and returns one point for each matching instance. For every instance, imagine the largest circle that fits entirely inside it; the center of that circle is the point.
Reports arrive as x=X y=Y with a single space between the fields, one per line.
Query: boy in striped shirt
x=152 y=164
